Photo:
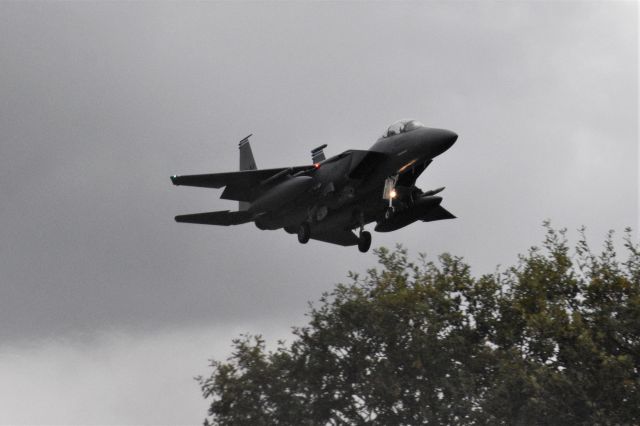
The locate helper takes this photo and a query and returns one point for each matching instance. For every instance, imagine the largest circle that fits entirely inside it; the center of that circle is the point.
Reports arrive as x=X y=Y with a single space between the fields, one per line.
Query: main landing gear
x=364 y=238
x=304 y=233
x=364 y=241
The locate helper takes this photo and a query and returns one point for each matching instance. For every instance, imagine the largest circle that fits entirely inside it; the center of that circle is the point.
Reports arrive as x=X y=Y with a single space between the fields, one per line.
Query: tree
x=554 y=339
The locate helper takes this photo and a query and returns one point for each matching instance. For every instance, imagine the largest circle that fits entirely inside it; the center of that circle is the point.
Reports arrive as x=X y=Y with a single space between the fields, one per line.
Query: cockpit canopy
x=402 y=126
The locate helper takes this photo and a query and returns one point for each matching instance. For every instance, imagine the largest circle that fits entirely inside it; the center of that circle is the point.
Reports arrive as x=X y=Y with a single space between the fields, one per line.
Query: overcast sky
x=108 y=307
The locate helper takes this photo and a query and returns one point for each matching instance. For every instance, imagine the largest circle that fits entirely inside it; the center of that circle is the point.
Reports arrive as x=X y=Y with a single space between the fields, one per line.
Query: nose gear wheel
x=389 y=212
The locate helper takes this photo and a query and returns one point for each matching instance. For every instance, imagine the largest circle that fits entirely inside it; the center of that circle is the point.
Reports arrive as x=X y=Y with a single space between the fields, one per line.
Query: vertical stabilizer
x=247 y=162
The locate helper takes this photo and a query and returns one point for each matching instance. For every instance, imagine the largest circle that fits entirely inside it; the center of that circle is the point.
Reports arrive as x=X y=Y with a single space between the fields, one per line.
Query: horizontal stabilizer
x=437 y=213
x=224 y=218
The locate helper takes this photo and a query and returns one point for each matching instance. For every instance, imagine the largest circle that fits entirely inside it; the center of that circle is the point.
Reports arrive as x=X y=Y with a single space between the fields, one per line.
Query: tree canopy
x=554 y=339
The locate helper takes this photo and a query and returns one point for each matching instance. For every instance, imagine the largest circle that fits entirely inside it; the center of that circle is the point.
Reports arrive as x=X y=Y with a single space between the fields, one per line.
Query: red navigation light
x=316 y=165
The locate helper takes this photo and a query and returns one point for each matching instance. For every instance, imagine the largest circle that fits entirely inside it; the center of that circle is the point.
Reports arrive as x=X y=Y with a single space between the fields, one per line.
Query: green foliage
x=552 y=340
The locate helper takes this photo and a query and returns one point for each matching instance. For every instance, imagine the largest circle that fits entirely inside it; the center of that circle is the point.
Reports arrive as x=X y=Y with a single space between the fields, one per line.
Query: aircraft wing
x=240 y=186
x=437 y=213
x=339 y=236
x=224 y=218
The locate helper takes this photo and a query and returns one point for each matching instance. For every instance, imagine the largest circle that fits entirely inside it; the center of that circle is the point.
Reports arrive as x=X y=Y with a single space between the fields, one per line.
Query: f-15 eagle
x=330 y=198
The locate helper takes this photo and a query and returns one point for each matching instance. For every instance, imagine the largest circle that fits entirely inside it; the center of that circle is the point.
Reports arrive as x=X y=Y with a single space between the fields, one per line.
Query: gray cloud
x=101 y=102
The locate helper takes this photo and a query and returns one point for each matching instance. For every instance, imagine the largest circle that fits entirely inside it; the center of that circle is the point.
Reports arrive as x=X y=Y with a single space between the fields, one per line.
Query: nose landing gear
x=389 y=193
x=389 y=212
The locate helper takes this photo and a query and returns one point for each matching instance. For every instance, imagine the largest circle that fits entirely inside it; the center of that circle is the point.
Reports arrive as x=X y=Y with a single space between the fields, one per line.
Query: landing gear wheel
x=388 y=213
x=364 y=241
x=304 y=232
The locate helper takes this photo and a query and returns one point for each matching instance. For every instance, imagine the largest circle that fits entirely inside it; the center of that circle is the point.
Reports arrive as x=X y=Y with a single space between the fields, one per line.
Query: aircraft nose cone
x=442 y=140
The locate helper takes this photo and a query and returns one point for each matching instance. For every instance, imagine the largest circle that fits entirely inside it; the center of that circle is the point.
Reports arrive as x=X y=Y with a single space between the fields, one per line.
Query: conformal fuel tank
x=281 y=194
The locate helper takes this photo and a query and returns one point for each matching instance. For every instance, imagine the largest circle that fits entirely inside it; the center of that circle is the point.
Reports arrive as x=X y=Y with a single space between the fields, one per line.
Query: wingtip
x=174 y=179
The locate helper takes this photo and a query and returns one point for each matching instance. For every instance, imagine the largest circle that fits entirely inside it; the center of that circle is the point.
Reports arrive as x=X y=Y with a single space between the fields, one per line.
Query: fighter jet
x=331 y=197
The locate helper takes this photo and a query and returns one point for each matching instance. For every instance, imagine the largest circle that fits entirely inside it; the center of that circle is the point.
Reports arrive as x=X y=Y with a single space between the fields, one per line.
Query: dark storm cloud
x=101 y=102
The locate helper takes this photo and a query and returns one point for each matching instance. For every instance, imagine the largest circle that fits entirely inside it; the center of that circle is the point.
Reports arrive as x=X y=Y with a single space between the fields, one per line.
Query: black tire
x=304 y=232
x=364 y=241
